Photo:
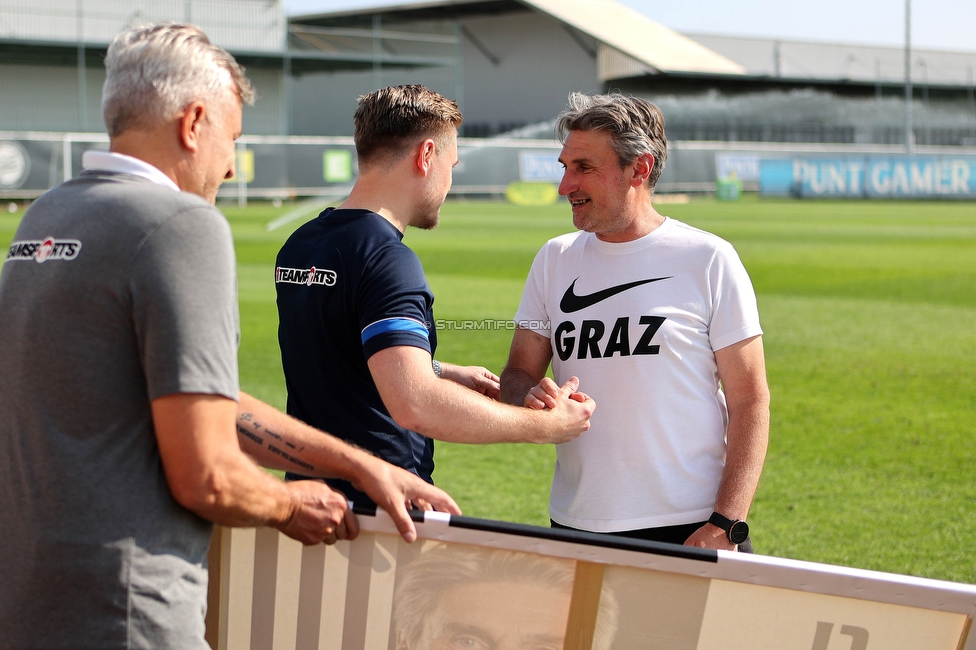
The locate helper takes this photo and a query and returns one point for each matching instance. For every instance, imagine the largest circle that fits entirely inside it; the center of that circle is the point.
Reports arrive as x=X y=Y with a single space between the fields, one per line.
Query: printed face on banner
x=381 y=593
x=456 y=597
x=496 y=615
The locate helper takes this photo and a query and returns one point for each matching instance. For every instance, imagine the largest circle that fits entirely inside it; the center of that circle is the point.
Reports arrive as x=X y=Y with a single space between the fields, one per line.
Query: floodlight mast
x=909 y=127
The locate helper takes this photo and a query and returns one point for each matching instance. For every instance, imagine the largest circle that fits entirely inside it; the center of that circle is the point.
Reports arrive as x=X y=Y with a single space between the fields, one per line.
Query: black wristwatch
x=736 y=530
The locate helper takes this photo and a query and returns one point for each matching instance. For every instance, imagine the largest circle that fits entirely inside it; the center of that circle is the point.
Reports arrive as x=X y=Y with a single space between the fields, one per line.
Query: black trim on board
x=370 y=510
x=560 y=535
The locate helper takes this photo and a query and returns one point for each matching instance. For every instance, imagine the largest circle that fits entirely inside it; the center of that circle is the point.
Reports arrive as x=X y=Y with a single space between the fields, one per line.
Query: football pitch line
x=315 y=204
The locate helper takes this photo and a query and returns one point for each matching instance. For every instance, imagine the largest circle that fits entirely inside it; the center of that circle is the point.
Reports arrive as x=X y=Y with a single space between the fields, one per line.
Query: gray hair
x=635 y=126
x=425 y=580
x=155 y=71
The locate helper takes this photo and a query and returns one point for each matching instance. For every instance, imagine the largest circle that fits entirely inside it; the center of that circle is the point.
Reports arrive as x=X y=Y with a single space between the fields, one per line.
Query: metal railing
x=292 y=167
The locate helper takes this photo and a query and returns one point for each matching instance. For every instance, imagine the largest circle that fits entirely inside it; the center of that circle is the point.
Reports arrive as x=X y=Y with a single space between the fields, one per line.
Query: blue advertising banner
x=745 y=167
x=540 y=166
x=882 y=177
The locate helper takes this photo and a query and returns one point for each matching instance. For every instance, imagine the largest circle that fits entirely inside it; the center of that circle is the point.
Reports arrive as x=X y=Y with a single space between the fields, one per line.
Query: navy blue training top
x=347 y=288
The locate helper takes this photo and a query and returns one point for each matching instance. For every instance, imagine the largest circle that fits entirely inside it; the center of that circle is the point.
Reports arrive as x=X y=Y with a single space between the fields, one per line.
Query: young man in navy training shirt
x=356 y=327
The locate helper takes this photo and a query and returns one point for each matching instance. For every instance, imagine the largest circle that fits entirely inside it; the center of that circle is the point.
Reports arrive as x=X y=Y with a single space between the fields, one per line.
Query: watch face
x=738 y=532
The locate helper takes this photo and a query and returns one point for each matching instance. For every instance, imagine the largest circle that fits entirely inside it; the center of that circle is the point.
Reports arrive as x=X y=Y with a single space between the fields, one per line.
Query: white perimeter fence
x=290 y=167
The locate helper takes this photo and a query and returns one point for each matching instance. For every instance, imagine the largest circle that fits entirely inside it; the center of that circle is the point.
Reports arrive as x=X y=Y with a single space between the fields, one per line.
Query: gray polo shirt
x=117 y=290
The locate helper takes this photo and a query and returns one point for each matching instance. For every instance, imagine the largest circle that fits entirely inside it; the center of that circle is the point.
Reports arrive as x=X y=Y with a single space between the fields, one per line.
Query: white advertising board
x=468 y=583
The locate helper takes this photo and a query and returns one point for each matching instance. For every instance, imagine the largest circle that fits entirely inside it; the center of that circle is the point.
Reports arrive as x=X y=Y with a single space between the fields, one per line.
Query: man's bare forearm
x=206 y=476
x=278 y=441
x=528 y=361
x=515 y=385
x=748 y=438
x=742 y=370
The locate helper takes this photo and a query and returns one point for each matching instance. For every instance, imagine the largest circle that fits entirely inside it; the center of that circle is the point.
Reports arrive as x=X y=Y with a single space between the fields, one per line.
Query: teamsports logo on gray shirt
x=305 y=276
x=41 y=251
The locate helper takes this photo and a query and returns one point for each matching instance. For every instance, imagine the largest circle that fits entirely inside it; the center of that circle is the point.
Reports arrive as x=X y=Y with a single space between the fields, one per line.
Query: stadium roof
x=631 y=33
x=638 y=36
x=864 y=64
x=633 y=45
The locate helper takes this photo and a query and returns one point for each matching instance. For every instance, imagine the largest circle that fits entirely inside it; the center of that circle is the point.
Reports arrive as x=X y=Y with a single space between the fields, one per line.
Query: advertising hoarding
x=875 y=177
x=475 y=583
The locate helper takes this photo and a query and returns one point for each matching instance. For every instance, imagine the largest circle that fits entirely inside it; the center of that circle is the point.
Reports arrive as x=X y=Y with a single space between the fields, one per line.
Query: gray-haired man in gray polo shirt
x=123 y=433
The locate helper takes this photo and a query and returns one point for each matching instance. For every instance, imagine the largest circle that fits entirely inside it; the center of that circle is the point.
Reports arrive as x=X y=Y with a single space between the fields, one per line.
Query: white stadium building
x=509 y=63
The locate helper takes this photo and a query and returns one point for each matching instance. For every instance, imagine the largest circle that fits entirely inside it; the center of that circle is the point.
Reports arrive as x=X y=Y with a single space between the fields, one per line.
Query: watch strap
x=736 y=530
x=721 y=521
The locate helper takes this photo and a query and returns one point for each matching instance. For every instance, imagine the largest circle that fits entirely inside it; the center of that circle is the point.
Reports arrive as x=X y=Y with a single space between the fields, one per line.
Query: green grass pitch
x=869 y=312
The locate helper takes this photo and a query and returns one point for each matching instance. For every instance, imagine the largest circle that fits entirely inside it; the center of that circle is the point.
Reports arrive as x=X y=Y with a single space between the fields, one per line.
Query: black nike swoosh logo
x=571 y=302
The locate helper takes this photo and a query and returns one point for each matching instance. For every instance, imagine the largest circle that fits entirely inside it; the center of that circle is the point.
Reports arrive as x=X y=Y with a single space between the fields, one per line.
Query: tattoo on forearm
x=252 y=435
x=279 y=438
x=247 y=434
x=290 y=458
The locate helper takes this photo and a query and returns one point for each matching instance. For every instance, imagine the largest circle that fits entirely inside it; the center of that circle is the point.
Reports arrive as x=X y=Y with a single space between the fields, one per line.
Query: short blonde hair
x=388 y=120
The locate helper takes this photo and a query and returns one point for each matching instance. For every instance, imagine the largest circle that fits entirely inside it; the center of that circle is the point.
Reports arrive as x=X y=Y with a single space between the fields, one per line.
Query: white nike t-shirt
x=638 y=323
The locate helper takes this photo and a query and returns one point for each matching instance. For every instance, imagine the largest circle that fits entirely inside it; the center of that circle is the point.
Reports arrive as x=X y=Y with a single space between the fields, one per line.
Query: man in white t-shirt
x=659 y=321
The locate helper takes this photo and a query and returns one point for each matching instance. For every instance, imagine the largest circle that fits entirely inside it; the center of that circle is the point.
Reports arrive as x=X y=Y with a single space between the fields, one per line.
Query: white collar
x=117 y=162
